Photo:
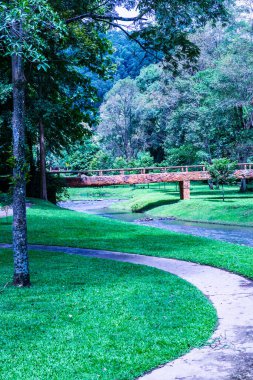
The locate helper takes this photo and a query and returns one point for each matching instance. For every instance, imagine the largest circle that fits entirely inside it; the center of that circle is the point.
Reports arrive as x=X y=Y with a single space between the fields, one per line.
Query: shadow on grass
x=5 y=222
x=227 y=198
x=150 y=206
x=220 y=200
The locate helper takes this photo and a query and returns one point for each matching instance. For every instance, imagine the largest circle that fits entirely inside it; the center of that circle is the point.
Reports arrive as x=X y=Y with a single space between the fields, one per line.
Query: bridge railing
x=245 y=166
x=127 y=171
x=142 y=170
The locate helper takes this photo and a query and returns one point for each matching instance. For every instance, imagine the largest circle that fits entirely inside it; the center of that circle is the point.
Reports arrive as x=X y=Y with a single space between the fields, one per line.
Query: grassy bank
x=163 y=201
x=48 y=224
x=206 y=205
x=96 y=319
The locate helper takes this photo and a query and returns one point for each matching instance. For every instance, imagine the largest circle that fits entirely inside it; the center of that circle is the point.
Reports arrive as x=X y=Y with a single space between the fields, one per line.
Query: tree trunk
x=210 y=184
x=243 y=187
x=21 y=264
x=43 y=178
x=32 y=183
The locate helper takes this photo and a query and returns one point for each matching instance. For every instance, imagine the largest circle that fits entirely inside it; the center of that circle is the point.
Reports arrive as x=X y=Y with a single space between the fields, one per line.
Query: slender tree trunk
x=32 y=183
x=243 y=187
x=21 y=265
x=43 y=178
x=210 y=184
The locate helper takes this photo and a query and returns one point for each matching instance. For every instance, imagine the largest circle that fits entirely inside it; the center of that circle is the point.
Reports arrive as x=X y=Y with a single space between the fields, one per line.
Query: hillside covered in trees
x=150 y=114
x=113 y=102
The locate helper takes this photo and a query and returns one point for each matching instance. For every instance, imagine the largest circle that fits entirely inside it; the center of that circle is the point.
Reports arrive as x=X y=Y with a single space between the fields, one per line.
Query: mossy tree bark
x=21 y=265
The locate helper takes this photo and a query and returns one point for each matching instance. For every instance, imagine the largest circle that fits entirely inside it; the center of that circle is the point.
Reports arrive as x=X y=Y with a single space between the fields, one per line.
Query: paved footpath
x=229 y=356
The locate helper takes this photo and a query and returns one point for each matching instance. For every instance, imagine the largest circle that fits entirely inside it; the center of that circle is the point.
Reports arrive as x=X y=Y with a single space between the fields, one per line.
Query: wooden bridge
x=130 y=176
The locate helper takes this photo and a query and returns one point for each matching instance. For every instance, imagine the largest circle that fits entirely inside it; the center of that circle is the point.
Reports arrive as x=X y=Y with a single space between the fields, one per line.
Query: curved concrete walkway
x=229 y=355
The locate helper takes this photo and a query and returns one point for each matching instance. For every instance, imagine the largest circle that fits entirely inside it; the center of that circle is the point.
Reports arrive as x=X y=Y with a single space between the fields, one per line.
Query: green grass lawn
x=207 y=205
x=163 y=201
x=93 y=319
x=49 y=224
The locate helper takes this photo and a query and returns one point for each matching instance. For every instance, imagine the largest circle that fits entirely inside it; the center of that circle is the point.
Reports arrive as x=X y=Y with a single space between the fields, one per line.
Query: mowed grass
x=207 y=205
x=163 y=201
x=49 y=224
x=95 y=319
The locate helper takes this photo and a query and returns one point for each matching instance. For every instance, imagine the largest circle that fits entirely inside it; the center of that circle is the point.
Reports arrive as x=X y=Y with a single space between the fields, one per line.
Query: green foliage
x=68 y=52
x=62 y=98
x=128 y=58
x=120 y=162
x=119 y=130
x=184 y=155
x=24 y=25
x=175 y=20
x=5 y=202
x=5 y=92
x=6 y=199
x=101 y=160
x=222 y=170
x=80 y=155
x=143 y=160
x=198 y=115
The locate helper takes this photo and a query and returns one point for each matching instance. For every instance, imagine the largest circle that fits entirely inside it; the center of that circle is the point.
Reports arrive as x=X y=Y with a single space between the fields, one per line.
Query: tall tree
x=22 y=26
x=24 y=29
x=119 y=129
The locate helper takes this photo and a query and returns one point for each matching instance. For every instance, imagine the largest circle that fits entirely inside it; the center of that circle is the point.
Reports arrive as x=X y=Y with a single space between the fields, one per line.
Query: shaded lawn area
x=206 y=205
x=49 y=224
x=163 y=201
x=93 y=319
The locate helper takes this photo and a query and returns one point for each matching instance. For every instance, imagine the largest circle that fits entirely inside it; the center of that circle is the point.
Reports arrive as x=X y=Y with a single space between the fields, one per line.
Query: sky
x=125 y=13
x=132 y=13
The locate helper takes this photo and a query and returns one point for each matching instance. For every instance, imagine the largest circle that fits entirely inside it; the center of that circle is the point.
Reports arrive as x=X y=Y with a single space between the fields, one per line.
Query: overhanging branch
x=108 y=17
x=111 y=19
x=130 y=36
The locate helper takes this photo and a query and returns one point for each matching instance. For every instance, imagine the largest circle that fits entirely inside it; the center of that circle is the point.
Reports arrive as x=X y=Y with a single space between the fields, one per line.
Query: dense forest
x=113 y=103
x=151 y=114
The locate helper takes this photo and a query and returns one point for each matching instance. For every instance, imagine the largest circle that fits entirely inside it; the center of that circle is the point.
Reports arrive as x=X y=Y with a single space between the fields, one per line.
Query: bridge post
x=185 y=192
